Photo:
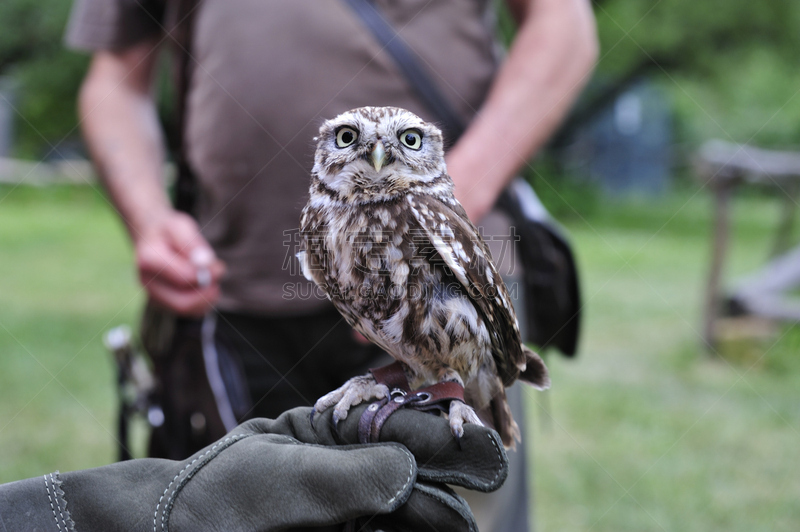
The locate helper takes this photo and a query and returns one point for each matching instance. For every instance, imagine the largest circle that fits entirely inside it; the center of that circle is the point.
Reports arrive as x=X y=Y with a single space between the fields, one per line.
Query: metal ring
x=397 y=392
x=423 y=397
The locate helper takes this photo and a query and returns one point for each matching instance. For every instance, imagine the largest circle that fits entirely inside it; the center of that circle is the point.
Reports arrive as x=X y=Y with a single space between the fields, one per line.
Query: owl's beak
x=378 y=155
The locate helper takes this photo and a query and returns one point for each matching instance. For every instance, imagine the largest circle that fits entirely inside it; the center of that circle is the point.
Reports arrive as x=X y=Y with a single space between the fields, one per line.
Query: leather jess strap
x=435 y=397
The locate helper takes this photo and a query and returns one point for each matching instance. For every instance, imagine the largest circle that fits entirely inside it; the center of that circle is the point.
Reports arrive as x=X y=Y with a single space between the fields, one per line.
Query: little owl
x=394 y=251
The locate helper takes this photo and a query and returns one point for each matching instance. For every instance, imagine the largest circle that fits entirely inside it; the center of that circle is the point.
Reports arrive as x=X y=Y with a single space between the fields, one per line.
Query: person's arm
x=548 y=64
x=120 y=124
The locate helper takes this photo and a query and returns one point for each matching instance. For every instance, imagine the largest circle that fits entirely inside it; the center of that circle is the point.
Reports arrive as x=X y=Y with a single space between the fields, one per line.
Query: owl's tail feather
x=503 y=421
x=488 y=396
x=535 y=372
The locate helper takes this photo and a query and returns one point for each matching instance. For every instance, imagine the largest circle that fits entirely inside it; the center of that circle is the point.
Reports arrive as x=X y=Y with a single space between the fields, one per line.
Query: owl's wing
x=461 y=248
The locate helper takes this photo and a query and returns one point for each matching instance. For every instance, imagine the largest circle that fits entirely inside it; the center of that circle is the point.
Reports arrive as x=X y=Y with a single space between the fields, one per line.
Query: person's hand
x=277 y=475
x=177 y=266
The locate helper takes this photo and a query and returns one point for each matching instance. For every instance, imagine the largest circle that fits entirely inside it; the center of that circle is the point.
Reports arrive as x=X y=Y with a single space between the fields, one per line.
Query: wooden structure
x=40 y=173
x=723 y=166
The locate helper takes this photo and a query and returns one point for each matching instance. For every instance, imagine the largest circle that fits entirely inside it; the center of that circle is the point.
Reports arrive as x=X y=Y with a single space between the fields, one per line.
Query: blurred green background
x=729 y=66
x=643 y=431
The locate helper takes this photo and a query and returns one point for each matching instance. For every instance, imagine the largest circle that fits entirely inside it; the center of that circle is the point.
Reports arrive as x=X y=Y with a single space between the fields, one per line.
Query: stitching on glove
x=56 y=491
x=61 y=501
x=54 y=503
x=410 y=459
x=47 y=487
x=169 y=502
x=499 y=456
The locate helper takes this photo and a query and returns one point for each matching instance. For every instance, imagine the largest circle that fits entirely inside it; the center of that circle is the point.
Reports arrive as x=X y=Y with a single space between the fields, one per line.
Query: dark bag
x=188 y=418
x=552 y=291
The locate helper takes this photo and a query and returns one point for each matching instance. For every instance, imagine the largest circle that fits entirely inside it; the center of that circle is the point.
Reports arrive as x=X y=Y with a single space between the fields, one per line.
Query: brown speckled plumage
x=398 y=257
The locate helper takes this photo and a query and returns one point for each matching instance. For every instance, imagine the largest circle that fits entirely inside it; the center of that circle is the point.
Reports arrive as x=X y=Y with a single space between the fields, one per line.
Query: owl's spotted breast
x=381 y=271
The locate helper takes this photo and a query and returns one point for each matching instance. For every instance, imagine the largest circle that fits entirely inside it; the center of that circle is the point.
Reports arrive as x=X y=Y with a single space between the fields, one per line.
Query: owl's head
x=376 y=153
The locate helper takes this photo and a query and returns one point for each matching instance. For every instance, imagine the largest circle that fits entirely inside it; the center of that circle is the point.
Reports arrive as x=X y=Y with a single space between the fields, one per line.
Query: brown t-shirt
x=267 y=74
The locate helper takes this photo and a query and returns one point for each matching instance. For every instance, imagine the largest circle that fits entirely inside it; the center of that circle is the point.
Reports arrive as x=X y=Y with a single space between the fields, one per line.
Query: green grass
x=643 y=431
x=65 y=278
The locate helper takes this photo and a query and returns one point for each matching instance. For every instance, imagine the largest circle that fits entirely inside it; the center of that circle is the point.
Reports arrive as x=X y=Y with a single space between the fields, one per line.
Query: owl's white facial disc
x=375 y=153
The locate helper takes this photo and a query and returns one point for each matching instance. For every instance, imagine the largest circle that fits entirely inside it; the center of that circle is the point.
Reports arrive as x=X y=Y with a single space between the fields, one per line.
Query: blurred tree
x=731 y=65
x=46 y=75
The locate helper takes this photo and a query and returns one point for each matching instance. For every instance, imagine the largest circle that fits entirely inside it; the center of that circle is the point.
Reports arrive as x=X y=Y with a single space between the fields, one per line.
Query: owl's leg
x=460 y=412
x=356 y=390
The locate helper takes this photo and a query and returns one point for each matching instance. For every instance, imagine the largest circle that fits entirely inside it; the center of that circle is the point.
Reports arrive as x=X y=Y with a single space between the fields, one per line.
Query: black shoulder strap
x=180 y=21
x=411 y=66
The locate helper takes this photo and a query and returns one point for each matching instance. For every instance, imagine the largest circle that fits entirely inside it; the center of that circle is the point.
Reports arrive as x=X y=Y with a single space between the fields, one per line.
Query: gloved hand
x=276 y=475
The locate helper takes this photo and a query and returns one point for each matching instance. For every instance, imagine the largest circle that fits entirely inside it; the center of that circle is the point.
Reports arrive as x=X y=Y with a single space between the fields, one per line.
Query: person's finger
x=217 y=269
x=184 y=237
x=155 y=258
x=188 y=302
x=209 y=270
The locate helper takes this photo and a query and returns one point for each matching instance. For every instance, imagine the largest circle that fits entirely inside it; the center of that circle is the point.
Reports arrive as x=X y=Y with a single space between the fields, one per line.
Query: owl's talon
x=337 y=426
x=461 y=413
x=458 y=440
x=355 y=391
x=328 y=400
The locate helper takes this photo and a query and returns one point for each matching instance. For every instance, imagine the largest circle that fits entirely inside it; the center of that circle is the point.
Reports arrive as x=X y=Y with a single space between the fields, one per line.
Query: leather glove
x=276 y=475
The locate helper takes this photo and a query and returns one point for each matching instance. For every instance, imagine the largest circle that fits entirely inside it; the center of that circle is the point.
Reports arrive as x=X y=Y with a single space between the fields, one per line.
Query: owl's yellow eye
x=411 y=138
x=345 y=136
